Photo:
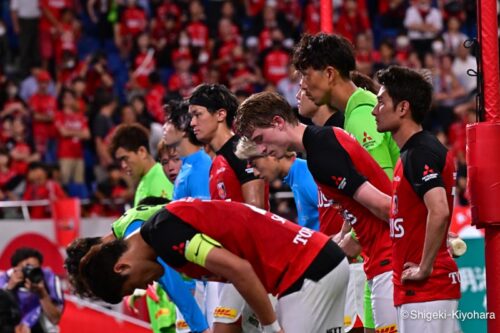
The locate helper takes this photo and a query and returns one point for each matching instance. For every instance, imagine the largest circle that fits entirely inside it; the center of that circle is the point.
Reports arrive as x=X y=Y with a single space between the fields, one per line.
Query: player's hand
x=22 y=328
x=413 y=272
x=37 y=288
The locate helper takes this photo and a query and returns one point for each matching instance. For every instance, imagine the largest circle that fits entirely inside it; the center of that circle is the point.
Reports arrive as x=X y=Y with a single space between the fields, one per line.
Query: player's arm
x=436 y=230
x=207 y=252
x=374 y=200
x=254 y=193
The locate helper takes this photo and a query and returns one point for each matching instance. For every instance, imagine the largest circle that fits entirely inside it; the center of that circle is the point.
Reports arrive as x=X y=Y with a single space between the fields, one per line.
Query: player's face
x=315 y=84
x=140 y=274
x=171 y=135
x=131 y=162
x=171 y=164
x=266 y=167
x=270 y=141
x=386 y=117
x=204 y=123
x=306 y=106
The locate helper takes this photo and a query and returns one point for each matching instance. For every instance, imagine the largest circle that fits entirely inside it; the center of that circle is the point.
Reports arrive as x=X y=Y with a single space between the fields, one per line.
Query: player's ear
x=278 y=122
x=221 y=115
x=121 y=267
x=404 y=108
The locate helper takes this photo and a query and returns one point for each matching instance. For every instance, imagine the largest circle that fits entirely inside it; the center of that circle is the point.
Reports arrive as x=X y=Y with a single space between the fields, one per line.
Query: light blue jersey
x=305 y=194
x=192 y=180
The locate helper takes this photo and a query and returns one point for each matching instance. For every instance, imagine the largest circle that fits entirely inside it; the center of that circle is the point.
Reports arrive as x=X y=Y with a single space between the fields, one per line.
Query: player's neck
x=186 y=148
x=322 y=115
x=296 y=133
x=405 y=132
x=149 y=163
x=285 y=165
x=341 y=93
x=221 y=137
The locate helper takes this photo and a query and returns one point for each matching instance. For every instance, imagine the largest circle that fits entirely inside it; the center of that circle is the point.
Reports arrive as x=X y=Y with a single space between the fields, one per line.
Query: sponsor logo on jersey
x=334 y=330
x=221 y=190
x=341 y=182
x=180 y=248
x=162 y=312
x=222 y=312
x=455 y=277
x=249 y=169
x=220 y=170
x=323 y=201
x=368 y=142
x=394 y=205
x=428 y=174
x=387 y=329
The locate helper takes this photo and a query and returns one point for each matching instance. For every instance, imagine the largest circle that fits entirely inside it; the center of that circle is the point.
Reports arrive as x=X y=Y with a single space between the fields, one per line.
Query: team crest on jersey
x=428 y=174
x=221 y=190
x=180 y=248
x=339 y=181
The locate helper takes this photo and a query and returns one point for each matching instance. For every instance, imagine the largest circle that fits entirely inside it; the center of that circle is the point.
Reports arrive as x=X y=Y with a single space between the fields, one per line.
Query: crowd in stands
x=71 y=71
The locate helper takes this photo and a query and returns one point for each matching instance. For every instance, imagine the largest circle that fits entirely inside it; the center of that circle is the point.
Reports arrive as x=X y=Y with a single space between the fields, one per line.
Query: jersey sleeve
x=167 y=235
x=243 y=171
x=332 y=164
x=422 y=168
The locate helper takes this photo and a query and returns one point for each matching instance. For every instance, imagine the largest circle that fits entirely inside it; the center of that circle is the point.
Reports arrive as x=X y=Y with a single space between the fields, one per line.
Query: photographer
x=38 y=291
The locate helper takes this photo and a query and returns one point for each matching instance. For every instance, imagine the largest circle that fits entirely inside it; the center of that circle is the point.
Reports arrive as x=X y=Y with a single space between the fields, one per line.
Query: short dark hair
x=75 y=252
x=258 y=111
x=404 y=84
x=99 y=275
x=178 y=114
x=322 y=50
x=10 y=313
x=215 y=97
x=24 y=253
x=129 y=137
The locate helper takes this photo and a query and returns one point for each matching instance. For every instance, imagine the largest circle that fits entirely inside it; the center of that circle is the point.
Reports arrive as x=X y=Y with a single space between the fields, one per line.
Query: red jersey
x=312 y=18
x=133 y=21
x=70 y=147
x=183 y=83
x=6 y=176
x=20 y=166
x=144 y=64
x=228 y=173
x=55 y=7
x=50 y=190
x=154 y=102
x=244 y=230
x=47 y=105
x=424 y=164
x=276 y=66
x=330 y=214
x=67 y=40
x=198 y=34
x=340 y=165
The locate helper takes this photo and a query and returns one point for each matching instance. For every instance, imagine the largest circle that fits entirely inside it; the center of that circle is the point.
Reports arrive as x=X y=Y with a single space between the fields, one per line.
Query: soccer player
x=257 y=251
x=130 y=146
x=344 y=171
x=171 y=281
x=192 y=180
x=425 y=276
x=326 y=62
x=293 y=171
x=213 y=107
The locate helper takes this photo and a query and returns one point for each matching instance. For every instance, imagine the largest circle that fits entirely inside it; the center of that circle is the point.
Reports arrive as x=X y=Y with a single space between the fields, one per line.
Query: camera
x=34 y=274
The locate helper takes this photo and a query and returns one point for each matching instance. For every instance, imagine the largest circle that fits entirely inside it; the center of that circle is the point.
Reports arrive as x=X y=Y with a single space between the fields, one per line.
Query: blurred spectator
x=13 y=104
x=154 y=98
x=312 y=17
x=424 y=23
x=144 y=63
x=275 y=59
x=289 y=86
x=43 y=105
x=25 y=20
x=50 y=27
x=365 y=54
x=9 y=179
x=112 y=193
x=101 y=13
x=387 y=56
x=69 y=69
x=37 y=289
x=79 y=86
x=196 y=28
x=10 y=314
x=132 y=21
x=29 y=86
x=72 y=128
x=242 y=75
x=453 y=38
x=39 y=186
x=352 y=21
x=21 y=147
x=392 y=17
x=461 y=64
x=102 y=126
x=98 y=77
x=183 y=80
x=66 y=39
